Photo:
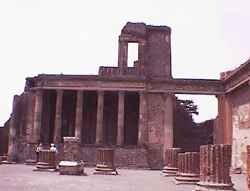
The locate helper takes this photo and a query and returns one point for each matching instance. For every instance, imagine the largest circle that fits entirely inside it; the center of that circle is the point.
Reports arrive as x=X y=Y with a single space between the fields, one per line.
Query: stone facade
x=233 y=122
x=128 y=108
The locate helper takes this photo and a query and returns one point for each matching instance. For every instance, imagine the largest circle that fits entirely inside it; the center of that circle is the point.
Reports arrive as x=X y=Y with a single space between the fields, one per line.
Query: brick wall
x=129 y=157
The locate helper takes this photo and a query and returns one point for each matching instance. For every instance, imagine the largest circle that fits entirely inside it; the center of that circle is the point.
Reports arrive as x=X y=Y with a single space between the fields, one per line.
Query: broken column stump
x=188 y=168
x=171 y=161
x=248 y=167
x=46 y=160
x=71 y=164
x=215 y=162
x=105 y=162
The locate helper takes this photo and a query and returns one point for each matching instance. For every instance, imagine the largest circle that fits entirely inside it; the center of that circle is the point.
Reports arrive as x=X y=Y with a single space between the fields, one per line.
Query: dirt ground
x=19 y=177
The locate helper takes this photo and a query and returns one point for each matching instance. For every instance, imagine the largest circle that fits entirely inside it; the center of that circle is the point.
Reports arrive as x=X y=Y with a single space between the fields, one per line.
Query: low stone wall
x=128 y=157
x=125 y=157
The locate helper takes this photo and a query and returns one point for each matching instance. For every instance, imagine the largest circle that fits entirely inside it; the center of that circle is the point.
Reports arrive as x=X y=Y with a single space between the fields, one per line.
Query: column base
x=71 y=168
x=105 y=170
x=186 y=178
x=169 y=171
x=30 y=162
x=45 y=166
x=205 y=186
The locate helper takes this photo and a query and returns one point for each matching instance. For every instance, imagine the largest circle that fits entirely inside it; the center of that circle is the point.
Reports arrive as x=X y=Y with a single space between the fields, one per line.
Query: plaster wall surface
x=241 y=127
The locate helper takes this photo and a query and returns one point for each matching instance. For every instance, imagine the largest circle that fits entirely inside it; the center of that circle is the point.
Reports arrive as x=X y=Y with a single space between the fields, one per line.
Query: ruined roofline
x=97 y=77
x=231 y=73
x=141 y=29
x=83 y=77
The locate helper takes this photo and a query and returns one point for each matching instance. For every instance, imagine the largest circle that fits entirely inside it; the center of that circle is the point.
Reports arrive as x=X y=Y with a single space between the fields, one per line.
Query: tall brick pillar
x=188 y=168
x=99 y=118
x=12 y=149
x=171 y=161
x=142 y=131
x=120 y=123
x=122 y=53
x=215 y=162
x=38 y=116
x=58 y=117
x=79 y=114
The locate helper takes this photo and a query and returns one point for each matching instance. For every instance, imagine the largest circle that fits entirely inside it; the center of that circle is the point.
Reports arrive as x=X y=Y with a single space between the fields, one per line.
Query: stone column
x=224 y=133
x=122 y=53
x=215 y=162
x=58 y=117
x=12 y=149
x=171 y=161
x=99 y=118
x=120 y=121
x=168 y=122
x=188 y=168
x=79 y=113
x=142 y=130
x=38 y=115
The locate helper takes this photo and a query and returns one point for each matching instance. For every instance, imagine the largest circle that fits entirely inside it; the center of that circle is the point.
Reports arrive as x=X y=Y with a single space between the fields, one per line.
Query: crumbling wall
x=241 y=126
x=156 y=107
x=4 y=139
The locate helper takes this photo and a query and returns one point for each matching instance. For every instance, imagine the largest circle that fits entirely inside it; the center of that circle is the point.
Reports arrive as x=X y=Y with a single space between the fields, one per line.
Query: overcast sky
x=76 y=37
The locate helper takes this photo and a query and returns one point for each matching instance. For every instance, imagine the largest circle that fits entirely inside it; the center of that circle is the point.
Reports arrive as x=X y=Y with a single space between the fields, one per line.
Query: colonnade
x=99 y=139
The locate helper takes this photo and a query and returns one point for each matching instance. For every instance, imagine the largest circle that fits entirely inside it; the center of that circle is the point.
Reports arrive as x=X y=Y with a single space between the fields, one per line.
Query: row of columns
x=79 y=119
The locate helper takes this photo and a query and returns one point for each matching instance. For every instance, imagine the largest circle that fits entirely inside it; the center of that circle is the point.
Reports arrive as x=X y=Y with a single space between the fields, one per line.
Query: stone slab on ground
x=23 y=178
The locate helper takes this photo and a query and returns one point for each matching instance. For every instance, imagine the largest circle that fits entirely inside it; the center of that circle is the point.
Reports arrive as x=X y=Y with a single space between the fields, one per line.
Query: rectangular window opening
x=132 y=54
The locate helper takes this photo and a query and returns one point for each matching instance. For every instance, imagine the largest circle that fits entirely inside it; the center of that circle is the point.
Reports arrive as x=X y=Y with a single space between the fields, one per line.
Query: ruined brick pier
x=105 y=161
x=171 y=161
x=215 y=162
x=188 y=168
x=47 y=160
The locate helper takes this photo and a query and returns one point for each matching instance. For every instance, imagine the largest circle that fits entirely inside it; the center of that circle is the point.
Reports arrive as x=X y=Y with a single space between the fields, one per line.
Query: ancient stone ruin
x=130 y=109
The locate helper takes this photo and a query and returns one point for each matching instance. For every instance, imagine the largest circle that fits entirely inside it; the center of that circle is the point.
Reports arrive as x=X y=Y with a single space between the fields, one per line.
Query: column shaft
x=142 y=130
x=58 y=117
x=99 y=118
x=168 y=123
x=122 y=54
x=38 y=115
x=223 y=134
x=79 y=113
x=120 y=125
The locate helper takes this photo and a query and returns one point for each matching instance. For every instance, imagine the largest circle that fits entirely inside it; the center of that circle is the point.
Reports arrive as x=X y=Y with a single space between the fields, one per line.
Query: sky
x=76 y=37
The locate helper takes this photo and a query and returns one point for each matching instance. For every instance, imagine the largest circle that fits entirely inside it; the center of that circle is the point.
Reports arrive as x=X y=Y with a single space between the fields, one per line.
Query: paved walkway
x=21 y=178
